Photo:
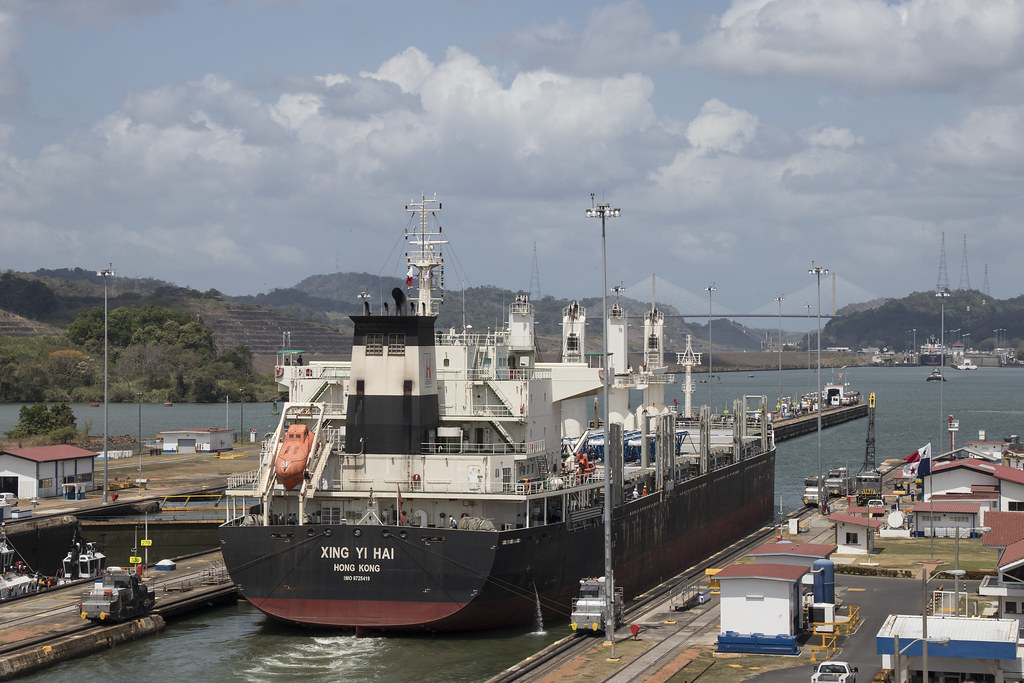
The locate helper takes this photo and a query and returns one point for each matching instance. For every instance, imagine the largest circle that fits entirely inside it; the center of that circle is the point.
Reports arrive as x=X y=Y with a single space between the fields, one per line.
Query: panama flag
x=918 y=463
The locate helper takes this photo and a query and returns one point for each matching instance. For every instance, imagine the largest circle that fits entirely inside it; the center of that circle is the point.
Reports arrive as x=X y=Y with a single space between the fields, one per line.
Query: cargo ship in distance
x=448 y=479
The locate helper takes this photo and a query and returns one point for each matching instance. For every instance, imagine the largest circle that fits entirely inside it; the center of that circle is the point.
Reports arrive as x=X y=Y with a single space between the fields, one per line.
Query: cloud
x=616 y=37
x=11 y=81
x=720 y=128
x=869 y=45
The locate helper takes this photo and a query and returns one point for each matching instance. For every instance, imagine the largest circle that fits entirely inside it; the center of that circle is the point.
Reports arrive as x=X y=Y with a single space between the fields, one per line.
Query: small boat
x=966 y=364
x=16 y=578
x=936 y=376
x=168 y=404
x=94 y=405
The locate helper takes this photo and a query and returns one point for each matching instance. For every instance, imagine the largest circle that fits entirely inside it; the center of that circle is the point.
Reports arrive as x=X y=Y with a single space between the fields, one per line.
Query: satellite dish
x=896 y=519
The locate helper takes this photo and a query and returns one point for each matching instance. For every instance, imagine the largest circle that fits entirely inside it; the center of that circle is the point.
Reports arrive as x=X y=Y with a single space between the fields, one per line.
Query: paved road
x=877 y=599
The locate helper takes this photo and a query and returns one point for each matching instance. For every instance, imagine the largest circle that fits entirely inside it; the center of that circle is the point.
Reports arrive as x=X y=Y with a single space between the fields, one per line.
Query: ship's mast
x=425 y=259
x=689 y=360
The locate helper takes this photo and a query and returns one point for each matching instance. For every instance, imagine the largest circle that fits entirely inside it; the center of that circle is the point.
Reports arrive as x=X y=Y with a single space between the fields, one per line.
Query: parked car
x=8 y=499
x=835 y=671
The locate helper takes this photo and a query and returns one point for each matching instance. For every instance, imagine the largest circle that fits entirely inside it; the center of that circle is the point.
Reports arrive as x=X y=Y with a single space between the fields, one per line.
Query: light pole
x=106 y=274
x=898 y=651
x=956 y=573
x=808 y=307
x=915 y=345
x=604 y=211
x=778 y=403
x=818 y=271
x=710 y=289
x=138 y=395
x=942 y=294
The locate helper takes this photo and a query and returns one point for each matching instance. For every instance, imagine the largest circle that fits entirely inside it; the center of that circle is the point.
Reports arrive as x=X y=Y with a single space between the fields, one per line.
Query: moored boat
x=437 y=493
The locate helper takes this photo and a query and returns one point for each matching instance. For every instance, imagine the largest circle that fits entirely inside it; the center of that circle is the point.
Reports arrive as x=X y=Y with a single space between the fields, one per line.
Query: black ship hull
x=385 y=577
x=929 y=359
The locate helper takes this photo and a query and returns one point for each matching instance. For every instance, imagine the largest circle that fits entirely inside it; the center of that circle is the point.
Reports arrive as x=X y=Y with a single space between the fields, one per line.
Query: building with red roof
x=854 y=535
x=46 y=471
x=762 y=598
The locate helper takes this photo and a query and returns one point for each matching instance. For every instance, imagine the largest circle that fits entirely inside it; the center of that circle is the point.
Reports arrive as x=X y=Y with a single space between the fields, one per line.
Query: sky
x=243 y=145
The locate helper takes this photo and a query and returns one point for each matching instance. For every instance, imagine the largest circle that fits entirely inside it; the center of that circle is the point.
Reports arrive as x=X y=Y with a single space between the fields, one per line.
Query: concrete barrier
x=64 y=648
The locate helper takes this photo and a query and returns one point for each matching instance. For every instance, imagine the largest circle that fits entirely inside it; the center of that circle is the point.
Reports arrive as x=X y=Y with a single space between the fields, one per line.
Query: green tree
x=38 y=419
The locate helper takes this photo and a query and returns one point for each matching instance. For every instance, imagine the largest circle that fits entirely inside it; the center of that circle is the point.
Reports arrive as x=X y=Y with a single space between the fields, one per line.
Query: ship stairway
x=503 y=408
x=320 y=459
x=502 y=432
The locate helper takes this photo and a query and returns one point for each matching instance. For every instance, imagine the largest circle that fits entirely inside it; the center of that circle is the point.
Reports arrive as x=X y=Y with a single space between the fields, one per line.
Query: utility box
x=794 y=526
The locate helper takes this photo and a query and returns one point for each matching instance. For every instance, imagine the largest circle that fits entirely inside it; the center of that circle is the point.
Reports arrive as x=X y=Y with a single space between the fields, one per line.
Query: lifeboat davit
x=290 y=465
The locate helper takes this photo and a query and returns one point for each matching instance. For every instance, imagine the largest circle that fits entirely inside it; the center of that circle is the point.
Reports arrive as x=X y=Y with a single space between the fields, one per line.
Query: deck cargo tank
x=453 y=480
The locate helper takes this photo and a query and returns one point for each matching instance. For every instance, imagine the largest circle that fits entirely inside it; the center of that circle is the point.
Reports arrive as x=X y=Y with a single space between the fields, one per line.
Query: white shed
x=203 y=440
x=854 y=535
x=761 y=598
x=44 y=471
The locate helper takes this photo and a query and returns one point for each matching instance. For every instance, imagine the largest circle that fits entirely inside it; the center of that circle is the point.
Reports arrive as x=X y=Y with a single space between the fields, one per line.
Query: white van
x=8 y=499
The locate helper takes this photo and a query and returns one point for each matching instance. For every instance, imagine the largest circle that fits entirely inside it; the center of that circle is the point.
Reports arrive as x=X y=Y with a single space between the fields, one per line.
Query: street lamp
x=709 y=289
x=818 y=271
x=604 y=211
x=942 y=294
x=780 y=299
x=106 y=274
x=898 y=651
x=956 y=573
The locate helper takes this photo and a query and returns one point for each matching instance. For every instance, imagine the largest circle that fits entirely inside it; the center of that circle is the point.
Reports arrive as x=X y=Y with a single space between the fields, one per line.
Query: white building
x=761 y=598
x=854 y=535
x=1007 y=533
x=45 y=471
x=959 y=478
x=204 y=440
x=959 y=648
x=944 y=519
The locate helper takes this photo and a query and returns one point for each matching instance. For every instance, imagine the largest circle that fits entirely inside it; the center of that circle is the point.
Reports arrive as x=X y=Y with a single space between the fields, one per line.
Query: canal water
x=238 y=644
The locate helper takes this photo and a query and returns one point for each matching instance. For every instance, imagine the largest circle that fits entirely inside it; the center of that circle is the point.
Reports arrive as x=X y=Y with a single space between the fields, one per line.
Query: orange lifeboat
x=290 y=465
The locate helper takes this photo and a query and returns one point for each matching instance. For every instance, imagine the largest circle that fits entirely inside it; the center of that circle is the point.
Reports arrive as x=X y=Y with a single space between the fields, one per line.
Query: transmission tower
x=943 y=284
x=984 y=287
x=965 y=278
x=535 y=277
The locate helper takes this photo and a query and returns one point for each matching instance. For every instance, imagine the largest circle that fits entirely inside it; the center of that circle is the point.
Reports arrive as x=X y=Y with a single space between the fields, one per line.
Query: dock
x=46 y=628
x=791 y=427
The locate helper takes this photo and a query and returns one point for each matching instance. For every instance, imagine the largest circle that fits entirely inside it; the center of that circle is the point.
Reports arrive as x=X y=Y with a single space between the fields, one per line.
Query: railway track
x=548 y=661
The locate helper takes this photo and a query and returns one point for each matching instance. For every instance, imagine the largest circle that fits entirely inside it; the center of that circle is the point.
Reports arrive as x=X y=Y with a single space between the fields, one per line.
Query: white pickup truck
x=830 y=671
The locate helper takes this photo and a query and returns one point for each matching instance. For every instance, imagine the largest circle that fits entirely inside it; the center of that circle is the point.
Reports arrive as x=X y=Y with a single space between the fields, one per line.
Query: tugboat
x=935 y=376
x=16 y=578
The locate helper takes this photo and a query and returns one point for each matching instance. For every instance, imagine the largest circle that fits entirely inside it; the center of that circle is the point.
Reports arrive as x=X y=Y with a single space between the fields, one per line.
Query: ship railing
x=453 y=338
x=246 y=480
x=523 y=448
x=491 y=373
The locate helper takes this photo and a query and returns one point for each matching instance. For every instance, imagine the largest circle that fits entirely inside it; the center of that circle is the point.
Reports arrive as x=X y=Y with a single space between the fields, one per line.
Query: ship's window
x=1011 y=607
x=446 y=362
x=330 y=515
x=652 y=342
x=374 y=344
x=407 y=387
x=396 y=344
x=360 y=386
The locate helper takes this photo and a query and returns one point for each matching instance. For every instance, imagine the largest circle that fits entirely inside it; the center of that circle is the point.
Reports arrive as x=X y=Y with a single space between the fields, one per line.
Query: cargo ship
x=450 y=479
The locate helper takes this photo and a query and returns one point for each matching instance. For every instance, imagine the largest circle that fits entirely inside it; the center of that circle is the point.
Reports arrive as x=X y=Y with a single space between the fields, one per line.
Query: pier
x=788 y=428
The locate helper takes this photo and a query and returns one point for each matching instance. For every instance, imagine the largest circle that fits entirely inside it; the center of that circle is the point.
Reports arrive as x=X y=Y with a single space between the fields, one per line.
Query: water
x=239 y=644
x=126 y=418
